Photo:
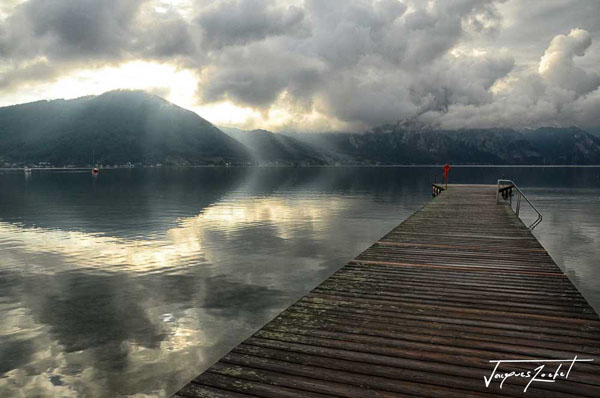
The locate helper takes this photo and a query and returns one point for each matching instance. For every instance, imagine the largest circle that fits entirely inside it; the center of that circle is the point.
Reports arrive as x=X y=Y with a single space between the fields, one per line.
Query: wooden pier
x=421 y=313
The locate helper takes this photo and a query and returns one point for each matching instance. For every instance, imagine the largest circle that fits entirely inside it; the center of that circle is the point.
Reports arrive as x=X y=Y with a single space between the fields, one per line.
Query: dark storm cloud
x=164 y=36
x=268 y=69
x=243 y=21
x=41 y=39
x=363 y=62
x=47 y=35
x=453 y=86
x=67 y=29
x=557 y=92
x=37 y=71
x=359 y=62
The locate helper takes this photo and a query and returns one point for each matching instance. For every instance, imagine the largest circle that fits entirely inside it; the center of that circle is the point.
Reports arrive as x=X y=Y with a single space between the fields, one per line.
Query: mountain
x=565 y=145
x=594 y=131
x=269 y=148
x=399 y=144
x=132 y=126
x=118 y=126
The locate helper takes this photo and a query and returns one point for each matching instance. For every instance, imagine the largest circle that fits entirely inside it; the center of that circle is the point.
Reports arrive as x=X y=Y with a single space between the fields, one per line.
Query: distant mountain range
x=121 y=127
x=403 y=143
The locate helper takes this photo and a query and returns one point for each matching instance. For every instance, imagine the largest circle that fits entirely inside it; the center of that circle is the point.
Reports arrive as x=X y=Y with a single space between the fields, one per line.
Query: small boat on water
x=27 y=170
x=95 y=170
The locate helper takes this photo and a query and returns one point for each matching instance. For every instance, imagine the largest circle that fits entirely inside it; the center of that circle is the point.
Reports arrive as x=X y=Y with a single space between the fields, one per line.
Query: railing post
x=518 y=204
x=498 y=192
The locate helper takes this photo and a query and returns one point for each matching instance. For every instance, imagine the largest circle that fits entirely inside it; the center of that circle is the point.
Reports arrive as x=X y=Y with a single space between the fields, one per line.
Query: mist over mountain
x=132 y=126
x=401 y=144
x=118 y=127
x=267 y=148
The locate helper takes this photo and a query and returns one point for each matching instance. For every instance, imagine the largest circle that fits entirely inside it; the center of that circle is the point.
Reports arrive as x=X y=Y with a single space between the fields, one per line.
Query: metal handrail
x=511 y=184
x=436 y=189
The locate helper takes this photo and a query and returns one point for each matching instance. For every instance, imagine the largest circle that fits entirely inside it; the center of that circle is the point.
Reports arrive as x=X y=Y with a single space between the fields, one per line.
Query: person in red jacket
x=446 y=171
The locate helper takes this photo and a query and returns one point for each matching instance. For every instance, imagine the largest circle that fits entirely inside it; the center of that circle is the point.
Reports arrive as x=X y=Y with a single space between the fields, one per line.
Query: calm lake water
x=132 y=282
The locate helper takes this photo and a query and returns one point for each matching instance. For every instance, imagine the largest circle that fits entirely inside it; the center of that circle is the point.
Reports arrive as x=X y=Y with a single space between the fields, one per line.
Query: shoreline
x=306 y=166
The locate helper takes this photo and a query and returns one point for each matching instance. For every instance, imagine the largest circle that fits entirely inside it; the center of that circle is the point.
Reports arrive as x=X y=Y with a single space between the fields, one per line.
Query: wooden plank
x=203 y=391
x=422 y=312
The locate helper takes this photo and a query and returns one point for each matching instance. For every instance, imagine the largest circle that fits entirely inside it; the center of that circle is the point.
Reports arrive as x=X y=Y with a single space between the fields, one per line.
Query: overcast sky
x=315 y=65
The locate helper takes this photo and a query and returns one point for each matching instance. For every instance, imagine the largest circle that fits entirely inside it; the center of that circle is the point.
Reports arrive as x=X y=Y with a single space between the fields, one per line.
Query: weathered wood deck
x=421 y=313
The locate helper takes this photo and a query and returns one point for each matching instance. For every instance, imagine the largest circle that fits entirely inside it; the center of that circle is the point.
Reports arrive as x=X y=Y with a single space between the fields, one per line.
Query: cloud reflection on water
x=134 y=283
x=94 y=314
x=181 y=246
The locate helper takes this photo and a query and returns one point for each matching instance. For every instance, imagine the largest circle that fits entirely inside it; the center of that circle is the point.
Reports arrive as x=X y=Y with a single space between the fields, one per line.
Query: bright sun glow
x=226 y=113
x=178 y=86
x=168 y=81
x=163 y=79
